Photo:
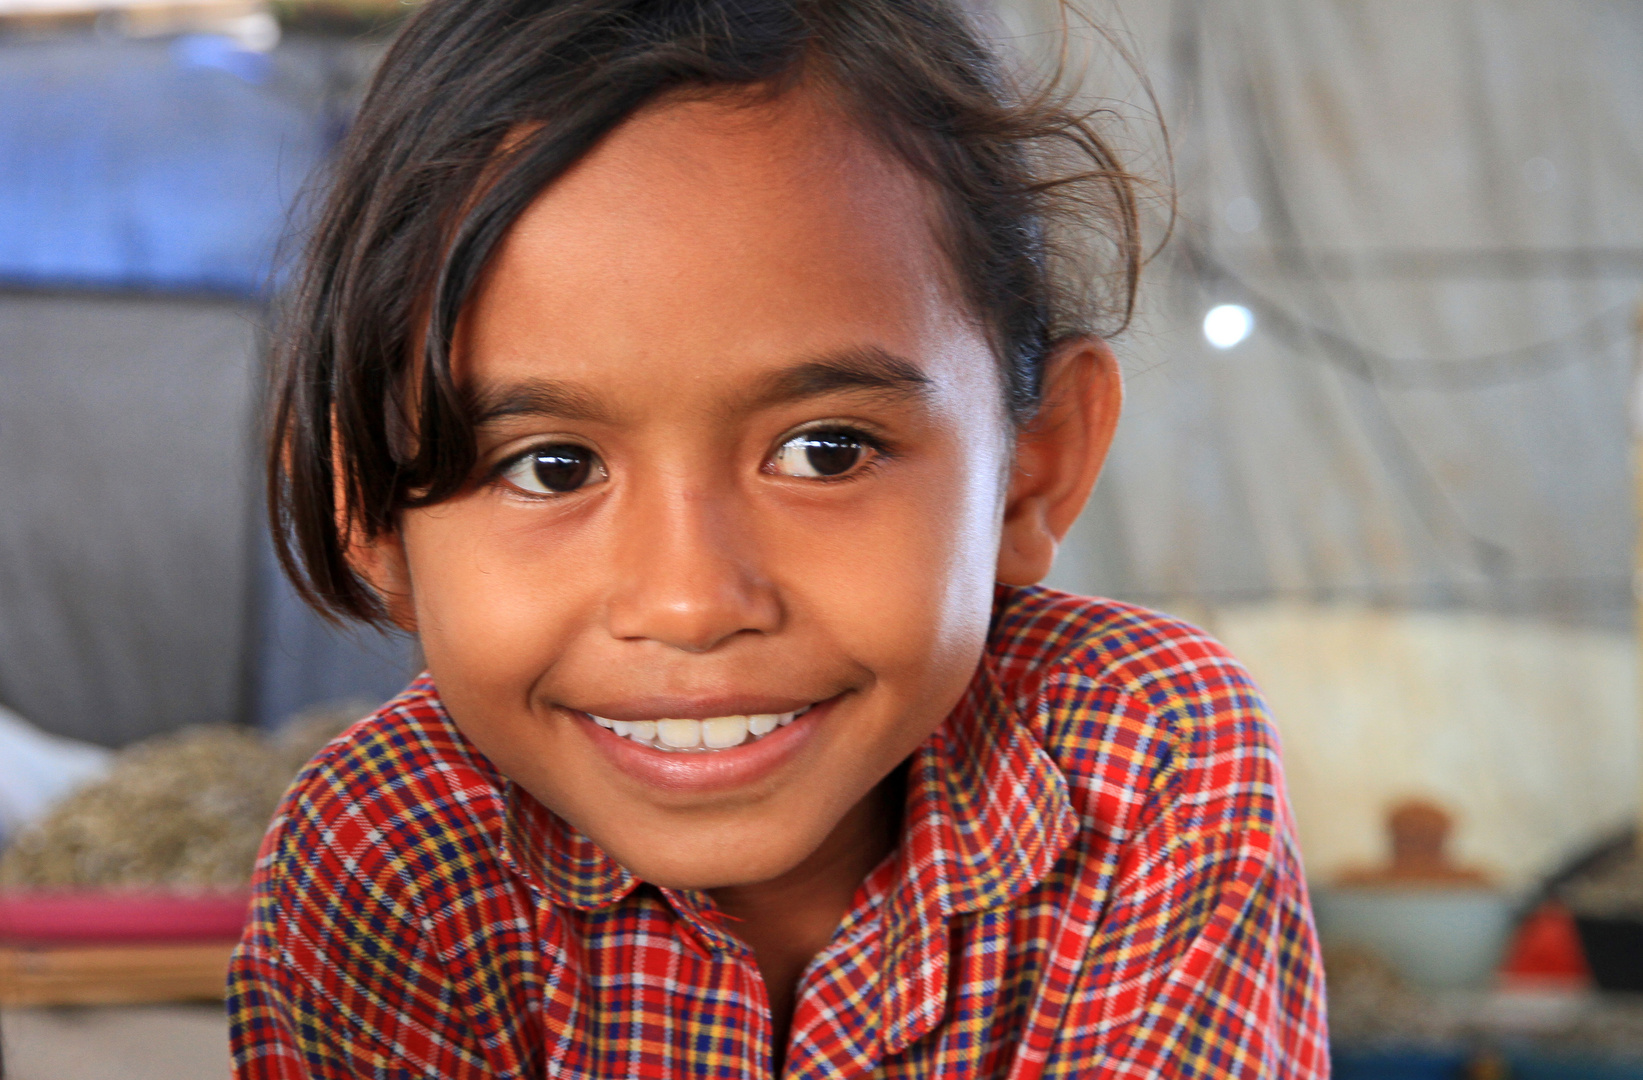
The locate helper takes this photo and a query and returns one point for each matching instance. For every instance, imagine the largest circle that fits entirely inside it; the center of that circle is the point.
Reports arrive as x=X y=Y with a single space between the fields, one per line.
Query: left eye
x=555 y=469
x=820 y=454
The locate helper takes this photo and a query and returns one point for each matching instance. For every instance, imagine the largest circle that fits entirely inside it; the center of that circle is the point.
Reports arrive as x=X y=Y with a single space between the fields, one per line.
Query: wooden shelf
x=113 y=974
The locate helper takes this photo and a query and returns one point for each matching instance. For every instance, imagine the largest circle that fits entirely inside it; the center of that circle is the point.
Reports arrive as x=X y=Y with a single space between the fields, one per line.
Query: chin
x=689 y=866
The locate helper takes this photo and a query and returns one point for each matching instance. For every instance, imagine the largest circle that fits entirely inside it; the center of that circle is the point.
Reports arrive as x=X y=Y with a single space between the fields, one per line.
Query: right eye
x=821 y=454
x=554 y=469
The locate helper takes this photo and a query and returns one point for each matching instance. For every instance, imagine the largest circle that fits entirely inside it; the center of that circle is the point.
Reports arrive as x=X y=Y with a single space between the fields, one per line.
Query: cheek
x=905 y=578
x=493 y=595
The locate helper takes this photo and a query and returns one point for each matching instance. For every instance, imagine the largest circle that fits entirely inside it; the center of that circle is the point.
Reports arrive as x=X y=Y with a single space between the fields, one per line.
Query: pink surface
x=76 y=918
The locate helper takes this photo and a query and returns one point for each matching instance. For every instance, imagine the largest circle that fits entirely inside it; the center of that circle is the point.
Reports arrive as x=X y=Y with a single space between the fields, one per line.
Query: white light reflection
x=1228 y=324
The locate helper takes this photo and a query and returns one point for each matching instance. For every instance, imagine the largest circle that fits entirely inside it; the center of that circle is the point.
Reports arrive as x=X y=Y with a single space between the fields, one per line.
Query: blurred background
x=1379 y=439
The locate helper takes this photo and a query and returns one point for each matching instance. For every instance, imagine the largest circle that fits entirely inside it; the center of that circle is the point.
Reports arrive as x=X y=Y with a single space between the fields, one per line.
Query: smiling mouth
x=707 y=736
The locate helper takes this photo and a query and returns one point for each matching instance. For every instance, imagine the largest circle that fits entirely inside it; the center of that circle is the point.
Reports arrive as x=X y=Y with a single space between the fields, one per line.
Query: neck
x=789 y=919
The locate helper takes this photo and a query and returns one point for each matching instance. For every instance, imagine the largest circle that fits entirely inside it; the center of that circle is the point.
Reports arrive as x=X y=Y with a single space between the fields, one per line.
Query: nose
x=688 y=573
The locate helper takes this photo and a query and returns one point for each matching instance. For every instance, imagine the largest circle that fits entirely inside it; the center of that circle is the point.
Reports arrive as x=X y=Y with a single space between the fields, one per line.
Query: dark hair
x=366 y=417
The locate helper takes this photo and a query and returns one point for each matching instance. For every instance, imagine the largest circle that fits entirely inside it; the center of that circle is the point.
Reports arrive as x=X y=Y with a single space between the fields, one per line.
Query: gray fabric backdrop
x=137 y=588
x=125 y=512
x=137 y=592
x=1436 y=213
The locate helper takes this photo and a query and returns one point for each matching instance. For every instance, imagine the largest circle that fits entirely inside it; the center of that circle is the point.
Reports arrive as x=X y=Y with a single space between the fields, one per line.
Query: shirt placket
x=837 y=1019
x=701 y=929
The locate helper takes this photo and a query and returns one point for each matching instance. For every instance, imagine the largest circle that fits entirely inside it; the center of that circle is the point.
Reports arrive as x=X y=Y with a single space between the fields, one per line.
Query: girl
x=707 y=384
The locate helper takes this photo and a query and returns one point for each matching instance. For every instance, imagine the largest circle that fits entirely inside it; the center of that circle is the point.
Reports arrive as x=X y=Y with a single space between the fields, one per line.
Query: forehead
x=727 y=232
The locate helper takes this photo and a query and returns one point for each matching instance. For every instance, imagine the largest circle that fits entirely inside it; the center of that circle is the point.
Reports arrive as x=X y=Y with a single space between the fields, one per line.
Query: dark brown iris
x=832 y=453
x=563 y=466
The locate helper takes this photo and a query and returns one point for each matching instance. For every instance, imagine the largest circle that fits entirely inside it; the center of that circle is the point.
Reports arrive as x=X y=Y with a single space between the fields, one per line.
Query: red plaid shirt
x=1097 y=877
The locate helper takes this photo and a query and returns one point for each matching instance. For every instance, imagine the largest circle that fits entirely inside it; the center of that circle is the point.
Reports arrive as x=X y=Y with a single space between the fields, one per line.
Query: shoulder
x=381 y=864
x=1045 y=641
x=405 y=771
x=1134 y=706
x=1170 y=761
x=382 y=809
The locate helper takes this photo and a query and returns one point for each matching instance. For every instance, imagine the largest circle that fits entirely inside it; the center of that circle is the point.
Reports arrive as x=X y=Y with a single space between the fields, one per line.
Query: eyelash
x=879 y=449
x=495 y=476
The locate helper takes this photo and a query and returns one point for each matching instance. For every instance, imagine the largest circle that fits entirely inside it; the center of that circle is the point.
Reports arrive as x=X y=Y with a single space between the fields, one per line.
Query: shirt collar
x=571 y=870
x=987 y=816
x=560 y=864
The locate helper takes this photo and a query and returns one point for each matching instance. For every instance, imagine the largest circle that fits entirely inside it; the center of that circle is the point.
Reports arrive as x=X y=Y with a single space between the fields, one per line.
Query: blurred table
x=1389 y=1032
x=151 y=1042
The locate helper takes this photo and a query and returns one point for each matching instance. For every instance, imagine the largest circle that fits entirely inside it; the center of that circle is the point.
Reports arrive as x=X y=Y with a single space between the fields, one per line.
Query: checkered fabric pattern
x=1097 y=878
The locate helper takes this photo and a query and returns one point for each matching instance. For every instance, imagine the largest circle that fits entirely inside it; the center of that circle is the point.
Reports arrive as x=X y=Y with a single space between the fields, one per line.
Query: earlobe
x=1059 y=456
x=382 y=562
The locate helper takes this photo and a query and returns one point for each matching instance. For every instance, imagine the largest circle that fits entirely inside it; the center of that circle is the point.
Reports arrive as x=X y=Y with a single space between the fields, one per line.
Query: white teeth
x=724 y=731
x=679 y=734
x=714 y=733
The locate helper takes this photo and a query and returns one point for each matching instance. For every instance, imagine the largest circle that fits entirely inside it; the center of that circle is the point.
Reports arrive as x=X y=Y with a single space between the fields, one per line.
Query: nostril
x=686 y=574
x=694 y=616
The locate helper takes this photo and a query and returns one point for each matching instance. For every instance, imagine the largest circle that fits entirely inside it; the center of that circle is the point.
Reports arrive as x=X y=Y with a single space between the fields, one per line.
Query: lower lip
x=717 y=770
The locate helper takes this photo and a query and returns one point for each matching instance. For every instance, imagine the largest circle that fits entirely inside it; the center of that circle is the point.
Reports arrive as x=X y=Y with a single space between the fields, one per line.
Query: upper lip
x=694 y=708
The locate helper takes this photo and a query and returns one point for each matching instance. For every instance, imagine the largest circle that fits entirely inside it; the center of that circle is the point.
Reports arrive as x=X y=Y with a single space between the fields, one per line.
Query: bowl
x=1438 y=937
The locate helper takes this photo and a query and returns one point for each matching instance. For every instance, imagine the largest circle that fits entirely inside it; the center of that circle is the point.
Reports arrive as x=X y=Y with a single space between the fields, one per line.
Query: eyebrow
x=536 y=397
x=865 y=368
x=861 y=368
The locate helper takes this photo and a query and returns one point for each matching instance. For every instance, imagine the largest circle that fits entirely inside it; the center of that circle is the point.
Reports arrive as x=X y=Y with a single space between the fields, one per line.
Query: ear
x=382 y=563
x=1059 y=456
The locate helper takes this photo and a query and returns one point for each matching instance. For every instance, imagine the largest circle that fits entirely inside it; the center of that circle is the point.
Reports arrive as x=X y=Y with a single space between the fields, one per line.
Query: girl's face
x=744 y=466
